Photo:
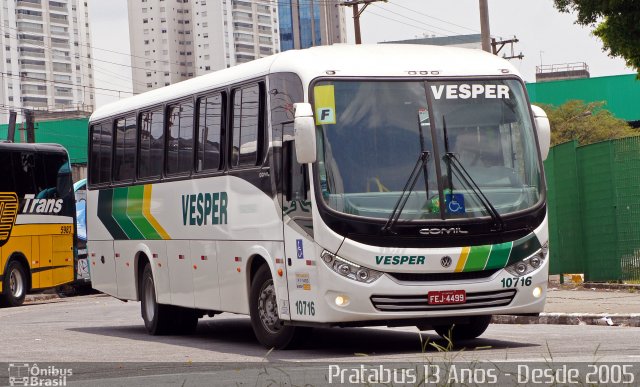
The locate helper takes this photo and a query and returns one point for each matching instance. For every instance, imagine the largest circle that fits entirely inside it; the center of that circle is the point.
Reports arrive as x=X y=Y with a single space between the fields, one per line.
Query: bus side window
x=94 y=155
x=6 y=171
x=210 y=130
x=151 y=144
x=101 y=146
x=247 y=126
x=180 y=138
x=125 y=152
x=24 y=176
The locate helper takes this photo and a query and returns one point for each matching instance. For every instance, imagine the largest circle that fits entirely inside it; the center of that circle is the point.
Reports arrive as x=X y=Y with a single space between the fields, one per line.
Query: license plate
x=447 y=297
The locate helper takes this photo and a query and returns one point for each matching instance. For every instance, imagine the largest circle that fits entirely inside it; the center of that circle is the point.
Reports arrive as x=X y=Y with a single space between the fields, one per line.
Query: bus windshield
x=477 y=134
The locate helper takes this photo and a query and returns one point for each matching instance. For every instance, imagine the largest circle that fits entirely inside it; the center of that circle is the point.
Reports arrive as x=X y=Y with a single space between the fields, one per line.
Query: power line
x=419 y=21
x=63 y=83
x=435 y=18
x=80 y=59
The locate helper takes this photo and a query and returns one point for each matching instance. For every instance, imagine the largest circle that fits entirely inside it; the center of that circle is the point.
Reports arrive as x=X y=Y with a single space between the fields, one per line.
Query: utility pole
x=356 y=14
x=484 y=25
x=31 y=134
x=11 y=130
x=496 y=50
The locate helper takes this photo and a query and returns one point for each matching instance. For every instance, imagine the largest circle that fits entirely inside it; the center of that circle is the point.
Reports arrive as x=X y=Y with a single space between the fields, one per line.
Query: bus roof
x=366 y=60
x=32 y=147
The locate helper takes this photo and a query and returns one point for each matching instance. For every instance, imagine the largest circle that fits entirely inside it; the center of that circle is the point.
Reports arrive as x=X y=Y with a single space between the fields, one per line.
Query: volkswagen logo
x=446 y=261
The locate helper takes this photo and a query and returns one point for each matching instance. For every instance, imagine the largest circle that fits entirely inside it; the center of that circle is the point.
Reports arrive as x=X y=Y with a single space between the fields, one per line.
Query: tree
x=615 y=22
x=585 y=122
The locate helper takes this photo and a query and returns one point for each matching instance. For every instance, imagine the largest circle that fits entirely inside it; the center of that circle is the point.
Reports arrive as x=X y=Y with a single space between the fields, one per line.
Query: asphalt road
x=101 y=329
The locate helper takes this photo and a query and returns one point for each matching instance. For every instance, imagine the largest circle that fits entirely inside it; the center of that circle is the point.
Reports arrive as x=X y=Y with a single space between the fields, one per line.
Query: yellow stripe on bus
x=42 y=229
x=146 y=211
x=463 y=259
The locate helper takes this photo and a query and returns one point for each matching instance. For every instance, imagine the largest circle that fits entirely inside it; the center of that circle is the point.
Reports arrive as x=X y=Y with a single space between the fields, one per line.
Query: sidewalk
x=588 y=304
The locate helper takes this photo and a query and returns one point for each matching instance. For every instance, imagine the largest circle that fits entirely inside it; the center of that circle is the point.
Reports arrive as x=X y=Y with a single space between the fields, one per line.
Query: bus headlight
x=529 y=264
x=349 y=269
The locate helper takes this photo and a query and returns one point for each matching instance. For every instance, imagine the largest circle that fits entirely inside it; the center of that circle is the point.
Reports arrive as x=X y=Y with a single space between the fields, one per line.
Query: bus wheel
x=185 y=320
x=157 y=317
x=474 y=328
x=14 y=285
x=267 y=326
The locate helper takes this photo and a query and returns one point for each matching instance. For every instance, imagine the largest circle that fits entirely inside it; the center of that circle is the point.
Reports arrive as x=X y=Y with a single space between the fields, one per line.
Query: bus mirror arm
x=304 y=133
x=543 y=129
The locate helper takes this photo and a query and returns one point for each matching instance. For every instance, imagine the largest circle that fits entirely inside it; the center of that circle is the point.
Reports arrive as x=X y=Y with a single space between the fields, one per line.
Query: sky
x=546 y=35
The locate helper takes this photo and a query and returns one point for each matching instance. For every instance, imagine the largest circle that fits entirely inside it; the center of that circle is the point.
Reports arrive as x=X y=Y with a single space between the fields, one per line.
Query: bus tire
x=457 y=332
x=185 y=320
x=158 y=318
x=267 y=326
x=14 y=285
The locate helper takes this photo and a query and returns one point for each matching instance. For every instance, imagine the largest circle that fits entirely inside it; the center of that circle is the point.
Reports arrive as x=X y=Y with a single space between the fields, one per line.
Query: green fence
x=594 y=209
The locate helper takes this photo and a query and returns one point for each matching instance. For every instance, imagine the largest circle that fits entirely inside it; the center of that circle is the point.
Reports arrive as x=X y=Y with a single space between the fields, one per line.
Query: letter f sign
x=325 y=115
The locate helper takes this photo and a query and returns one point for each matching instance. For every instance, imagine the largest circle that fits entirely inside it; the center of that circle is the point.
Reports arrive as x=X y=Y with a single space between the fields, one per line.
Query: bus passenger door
x=298 y=235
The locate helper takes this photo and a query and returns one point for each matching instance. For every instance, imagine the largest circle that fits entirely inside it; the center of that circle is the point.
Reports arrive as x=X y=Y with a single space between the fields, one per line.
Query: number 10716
x=515 y=282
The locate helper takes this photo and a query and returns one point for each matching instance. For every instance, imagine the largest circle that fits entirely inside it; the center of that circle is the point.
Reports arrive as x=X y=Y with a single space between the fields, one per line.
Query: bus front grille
x=419 y=303
x=433 y=277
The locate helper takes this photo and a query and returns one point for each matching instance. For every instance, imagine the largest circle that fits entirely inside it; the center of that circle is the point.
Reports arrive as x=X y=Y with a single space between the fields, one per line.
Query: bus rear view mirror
x=305 y=133
x=543 y=128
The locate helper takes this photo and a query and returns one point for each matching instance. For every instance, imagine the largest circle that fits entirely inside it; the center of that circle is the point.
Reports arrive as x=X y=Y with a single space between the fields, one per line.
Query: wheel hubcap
x=268 y=309
x=16 y=283
x=150 y=300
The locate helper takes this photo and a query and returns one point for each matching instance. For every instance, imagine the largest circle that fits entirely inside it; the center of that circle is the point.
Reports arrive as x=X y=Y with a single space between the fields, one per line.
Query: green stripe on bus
x=119 y=212
x=524 y=247
x=135 y=199
x=477 y=258
x=499 y=256
x=105 y=214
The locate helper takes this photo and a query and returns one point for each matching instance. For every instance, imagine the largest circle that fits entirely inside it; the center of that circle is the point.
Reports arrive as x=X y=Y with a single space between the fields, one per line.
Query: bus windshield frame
x=439 y=110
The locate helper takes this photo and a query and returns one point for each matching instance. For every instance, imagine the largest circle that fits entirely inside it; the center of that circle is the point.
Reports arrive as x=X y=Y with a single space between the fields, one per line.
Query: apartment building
x=46 y=62
x=174 y=40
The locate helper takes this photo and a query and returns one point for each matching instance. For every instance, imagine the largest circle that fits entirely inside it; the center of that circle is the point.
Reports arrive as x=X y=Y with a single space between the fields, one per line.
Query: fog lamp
x=537 y=292
x=342 y=300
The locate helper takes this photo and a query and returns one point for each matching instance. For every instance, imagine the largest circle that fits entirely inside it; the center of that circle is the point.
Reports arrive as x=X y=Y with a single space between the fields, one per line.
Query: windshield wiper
x=465 y=178
x=406 y=191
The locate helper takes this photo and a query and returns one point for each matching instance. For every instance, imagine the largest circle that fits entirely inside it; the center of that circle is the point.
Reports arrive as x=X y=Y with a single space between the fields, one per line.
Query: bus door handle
x=289 y=261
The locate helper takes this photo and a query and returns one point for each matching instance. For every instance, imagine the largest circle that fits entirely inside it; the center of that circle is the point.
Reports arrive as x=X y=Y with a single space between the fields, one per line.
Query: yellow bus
x=37 y=220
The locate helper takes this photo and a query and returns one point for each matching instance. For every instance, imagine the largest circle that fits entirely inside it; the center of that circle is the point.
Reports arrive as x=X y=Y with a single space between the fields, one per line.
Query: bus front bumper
x=343 y=300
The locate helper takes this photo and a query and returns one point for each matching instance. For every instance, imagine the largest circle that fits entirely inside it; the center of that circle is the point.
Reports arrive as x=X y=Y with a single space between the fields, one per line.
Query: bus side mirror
x=543 y=128
x=304 y=130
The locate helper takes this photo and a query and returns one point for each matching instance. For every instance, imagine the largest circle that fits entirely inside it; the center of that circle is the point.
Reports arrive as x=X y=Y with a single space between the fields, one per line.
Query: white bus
x=333 y=186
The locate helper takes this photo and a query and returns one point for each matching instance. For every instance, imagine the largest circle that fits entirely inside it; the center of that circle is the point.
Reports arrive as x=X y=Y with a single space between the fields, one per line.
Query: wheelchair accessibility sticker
x=455 y=203
x=299 y=249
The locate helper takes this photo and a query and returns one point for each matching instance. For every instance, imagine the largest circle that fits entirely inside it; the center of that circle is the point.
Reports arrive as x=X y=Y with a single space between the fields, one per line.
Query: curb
x=608 y=286
x=31 y=298
x=627 y=320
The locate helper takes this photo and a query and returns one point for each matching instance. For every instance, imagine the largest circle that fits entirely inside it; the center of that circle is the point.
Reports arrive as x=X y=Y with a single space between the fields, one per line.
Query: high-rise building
x=308 y=23
x=46 y=60
x=174 y=40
